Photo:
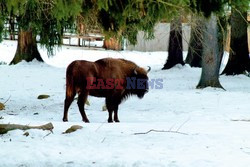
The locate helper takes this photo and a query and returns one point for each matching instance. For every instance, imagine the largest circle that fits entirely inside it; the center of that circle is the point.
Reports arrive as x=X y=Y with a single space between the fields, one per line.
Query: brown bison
x=114 y=79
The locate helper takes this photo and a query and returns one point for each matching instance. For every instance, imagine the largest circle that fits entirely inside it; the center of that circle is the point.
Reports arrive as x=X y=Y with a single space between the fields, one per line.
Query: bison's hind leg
x=67 y=102
x=82 y=97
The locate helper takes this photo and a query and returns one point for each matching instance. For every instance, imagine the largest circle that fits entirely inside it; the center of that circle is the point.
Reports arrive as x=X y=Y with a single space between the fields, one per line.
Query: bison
x=114 y=79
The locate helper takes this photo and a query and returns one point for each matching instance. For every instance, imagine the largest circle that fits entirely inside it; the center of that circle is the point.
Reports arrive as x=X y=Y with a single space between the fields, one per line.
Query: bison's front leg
x=81 y=102
x=112 y=106
x=116 y=119
x=110 y=120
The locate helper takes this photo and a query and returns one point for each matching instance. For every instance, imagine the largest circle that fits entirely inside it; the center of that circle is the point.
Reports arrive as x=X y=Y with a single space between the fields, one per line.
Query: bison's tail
x=70 y=90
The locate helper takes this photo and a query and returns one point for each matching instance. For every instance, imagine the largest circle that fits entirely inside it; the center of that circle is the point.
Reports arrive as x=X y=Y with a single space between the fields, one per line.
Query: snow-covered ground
x=206 y=135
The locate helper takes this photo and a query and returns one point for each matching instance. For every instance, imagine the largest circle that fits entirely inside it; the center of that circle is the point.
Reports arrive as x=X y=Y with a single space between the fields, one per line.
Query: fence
x=160 y=42
x=96 y=40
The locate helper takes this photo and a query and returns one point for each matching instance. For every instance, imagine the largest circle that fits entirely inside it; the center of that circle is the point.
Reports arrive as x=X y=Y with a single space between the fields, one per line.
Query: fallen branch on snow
x=243 y=120
x=4 y=128
x=7 y=100
x=164 y=131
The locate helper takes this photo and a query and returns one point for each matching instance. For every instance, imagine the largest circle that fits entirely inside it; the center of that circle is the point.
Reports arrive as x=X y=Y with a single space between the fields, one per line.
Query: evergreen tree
x=211 y=53
x=3 y=16
x=175 y=47
x=195 y=43
x=126 y=18
x=239 y=61
x=45 y=19
x=26 y=47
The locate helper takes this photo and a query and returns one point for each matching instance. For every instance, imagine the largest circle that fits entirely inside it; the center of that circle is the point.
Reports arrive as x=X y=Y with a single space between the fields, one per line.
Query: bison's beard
x=140 y=95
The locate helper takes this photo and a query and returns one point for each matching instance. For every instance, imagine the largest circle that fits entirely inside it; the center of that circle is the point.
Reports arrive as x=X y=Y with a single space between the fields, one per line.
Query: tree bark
x=12 y=26
x=26 y=48
x=195 y=44
x=175 y=49
x=239 y=61
x=211 y=54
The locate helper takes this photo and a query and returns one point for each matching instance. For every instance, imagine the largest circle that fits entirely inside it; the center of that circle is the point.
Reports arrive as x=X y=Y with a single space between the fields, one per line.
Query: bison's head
x=141 y=87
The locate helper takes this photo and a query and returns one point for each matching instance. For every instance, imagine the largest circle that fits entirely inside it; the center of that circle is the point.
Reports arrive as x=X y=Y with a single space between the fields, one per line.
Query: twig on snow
x=243 y=120
x=7 y=100
x=164 y=131
x=99 y=127
x=48 y=134
x=183 y=124
x=171 y=127
x=103 y=140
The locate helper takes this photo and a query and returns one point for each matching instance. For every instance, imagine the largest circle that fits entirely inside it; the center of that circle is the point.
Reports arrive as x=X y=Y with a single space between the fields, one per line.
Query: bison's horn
x=149 y=68
x=135 y=71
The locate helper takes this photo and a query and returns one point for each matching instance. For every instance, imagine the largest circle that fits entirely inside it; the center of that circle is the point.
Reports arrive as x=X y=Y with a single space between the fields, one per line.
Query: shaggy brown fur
x=80 y=73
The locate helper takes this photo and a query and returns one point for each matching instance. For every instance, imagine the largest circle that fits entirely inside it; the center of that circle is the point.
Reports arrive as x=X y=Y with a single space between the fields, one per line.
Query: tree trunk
x=12 y=26
x=195 y=44
x=26 y=48
x=211 y=54
x=175 y=48
x=239 y=60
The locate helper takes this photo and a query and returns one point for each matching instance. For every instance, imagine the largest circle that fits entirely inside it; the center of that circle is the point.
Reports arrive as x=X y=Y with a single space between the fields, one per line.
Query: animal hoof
x=110 y=121
x=86 y=121
x=65 y=120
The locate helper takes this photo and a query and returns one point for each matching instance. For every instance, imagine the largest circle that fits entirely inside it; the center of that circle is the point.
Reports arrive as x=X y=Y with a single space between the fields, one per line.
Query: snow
x=202 y=132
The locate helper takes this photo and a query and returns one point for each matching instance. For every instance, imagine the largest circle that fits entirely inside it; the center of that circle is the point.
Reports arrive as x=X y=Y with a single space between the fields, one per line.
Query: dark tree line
x=195 y=43
x=44 y=19
x=175 y=47
x=239 y=61
x=47 y=20
x=206 y=46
